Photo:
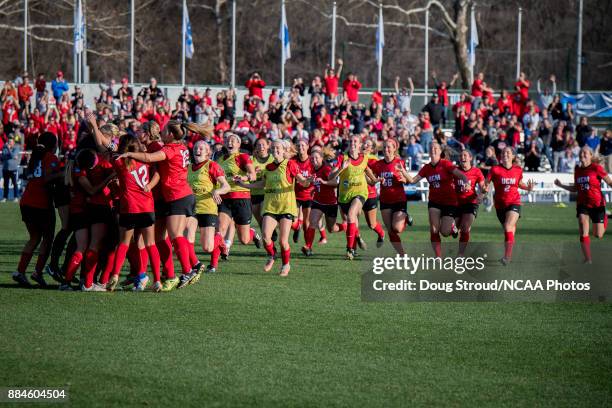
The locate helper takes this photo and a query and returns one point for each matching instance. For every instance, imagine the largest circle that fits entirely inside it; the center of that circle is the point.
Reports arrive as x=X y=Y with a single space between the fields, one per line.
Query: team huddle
x=144 y=199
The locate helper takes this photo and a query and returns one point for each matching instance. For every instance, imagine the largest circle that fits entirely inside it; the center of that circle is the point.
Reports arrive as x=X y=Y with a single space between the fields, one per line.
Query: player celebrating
x=467 y=198
x=173 y=162
x=206 y=175
x=371 y=203
x=236 y=204
x=36 y=209
x=279 y=206
x=590 y=202
x=261 y=158
x=507 y=178
x=303 y=194
x=442 y=207
x=391 y=174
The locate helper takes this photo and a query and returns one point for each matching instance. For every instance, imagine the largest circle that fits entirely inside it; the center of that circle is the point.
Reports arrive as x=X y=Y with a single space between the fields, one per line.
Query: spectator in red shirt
x=255 y=85
x=477 y=90
x=25 y=93
x=442 y=87
x=40 y=84
x=331 y=79
x=273 y=97
x=351 y=87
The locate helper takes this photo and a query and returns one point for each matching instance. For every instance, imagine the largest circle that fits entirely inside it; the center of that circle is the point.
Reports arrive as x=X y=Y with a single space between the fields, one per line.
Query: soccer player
x=303 y=194
x=467 y=199
x=261 y=158
x=442 y=207
x=279 y=206
x=324 y=201
x=173 y=163
x=136 y=213
x=36 y=209
x=391 y=174
x=371 y=203
x=590 y=202
x=507 y=178
x=236 y=204
x=352 y=189
x=206 y=176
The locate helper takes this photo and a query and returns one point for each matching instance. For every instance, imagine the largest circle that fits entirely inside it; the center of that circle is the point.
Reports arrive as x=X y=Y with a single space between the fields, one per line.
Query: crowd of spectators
x=540 y=128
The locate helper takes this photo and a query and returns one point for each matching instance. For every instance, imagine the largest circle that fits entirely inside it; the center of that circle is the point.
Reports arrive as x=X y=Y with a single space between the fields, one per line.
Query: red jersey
x=173 y=172
x=352 y=90
x=477 y=88
x=465 y=194
x=152 y=148
x=306 y=170
x=255 y=87
x=372 y=193
x=506 y=183
x=324 y=194
x=78 y=197
x=588 y=185
x=391 y=189
x=132 y=181
x=441 y=182
x=331 y=86
x=36 y=193
x=96 y=176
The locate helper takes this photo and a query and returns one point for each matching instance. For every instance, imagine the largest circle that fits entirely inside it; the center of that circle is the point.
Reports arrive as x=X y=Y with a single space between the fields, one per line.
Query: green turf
x=246 y=338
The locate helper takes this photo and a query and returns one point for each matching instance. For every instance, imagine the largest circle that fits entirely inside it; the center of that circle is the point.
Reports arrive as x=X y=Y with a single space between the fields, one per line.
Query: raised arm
x=569 y=187
x=103 y=142
x=411 y=86
x=527 y=186
x=146 y=157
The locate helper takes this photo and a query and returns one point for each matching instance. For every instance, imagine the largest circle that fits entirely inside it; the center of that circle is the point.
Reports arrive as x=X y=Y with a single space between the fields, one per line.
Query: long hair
x=47 y=142
x=152 y=129
x=176 y=128
x=129 y=144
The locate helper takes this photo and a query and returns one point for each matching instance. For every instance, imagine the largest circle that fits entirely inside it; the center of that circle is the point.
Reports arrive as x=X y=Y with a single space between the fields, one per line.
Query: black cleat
x=306 y=251
x=380 y=241
x=296 y=235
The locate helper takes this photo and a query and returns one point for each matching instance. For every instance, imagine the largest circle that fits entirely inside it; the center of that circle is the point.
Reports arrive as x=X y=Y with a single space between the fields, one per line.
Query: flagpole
x=183 y=47
x=518 y=43
x=380 y=47
x=75 y=58
x=282 y=47
x=579 y=49
x=25 y=35
x=333 y=45
x=472 y=57
x=132 y=19
x=84 y=74
x=426 y=53
x=233 y=79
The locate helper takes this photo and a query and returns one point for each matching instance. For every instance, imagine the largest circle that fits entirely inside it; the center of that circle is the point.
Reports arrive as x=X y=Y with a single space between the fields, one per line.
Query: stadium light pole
x=184 y=29
x=25 y=35
x=75 y=61
x=518 y=43
x=84 y=68
x=132 y=20
x=426 y=53
x=233 y=79
x=579 y=49
x=333 y=44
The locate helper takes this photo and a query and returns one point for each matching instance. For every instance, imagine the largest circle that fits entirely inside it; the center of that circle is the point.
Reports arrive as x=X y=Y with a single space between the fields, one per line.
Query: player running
x=261 y=158
x=303 y=194
x=467 y=198
x=391 y=174
x=442 y=207
x=205 y=177
x=279 y=206
x=37 y=210
x=507 y=178
x=371 y=203
x=590 y=202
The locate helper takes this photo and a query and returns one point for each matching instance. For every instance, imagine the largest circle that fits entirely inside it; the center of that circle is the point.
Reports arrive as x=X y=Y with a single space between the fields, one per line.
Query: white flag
x=380 y=38
x=473 y=41
x=189 y=49
x=79 y=29
x=284 y=35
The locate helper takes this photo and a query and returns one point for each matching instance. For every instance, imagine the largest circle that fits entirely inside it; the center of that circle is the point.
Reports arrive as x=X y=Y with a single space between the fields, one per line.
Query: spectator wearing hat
x=59 y=86
x=11 y=156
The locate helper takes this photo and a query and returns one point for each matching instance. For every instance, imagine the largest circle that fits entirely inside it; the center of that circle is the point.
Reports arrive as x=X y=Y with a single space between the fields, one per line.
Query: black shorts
x=43 y=217
x=100 y=214
x=239 y=209
x=183 y=206
x=501 y=212
x=469 y=208
x=304 y=203
x=395 y=207
x=329 y=210
x=257 y=199
x=370 y=204
x=78 y=221
x=597 y=214
x=207 y=220
x=445 y=210
x=344 y=207
x=61 y=195
x=136 y=220
x=161 y=209
x=279 y=217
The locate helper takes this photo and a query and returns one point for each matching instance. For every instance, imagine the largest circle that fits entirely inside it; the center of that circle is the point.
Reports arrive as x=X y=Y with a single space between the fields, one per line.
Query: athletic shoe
x=127 y=282
x=224 y=253
x=380 y=241
x=93 y=288
x=157 y=287
x=65 y=287
x=409 y=220
x=296 y=235
x=210 y=269
x=257 y=240
x=322 y=241
x=504 y=261
x=269 y=264
x=15 y=200
x=455 y=232
x=274 y=236
x=362 y=244
x=38 y=278
x=140 y=284
x=198 y=273
x=170 y=284
x=350 y=254
x=112 y=283
x=3 y=200
x=306 y=251
x=54 y=273
x=285 y=270
x=21 y=280
x=185 y=279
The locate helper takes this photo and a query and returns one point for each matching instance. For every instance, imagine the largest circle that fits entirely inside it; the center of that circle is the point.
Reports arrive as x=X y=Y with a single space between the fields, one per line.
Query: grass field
x=246 y=338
